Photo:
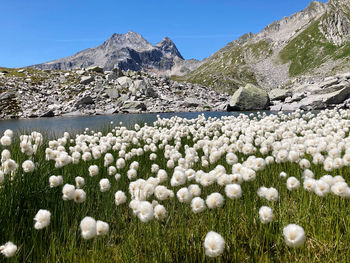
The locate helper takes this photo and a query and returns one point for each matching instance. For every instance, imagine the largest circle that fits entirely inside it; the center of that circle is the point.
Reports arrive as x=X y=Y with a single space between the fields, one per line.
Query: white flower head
x=8 y=249
x=197 y=205
x=214 y=244
x=294 y=235
x=88 y=227
x=233 y=191
x=102 y=228
x=265 y=214
x=105 y=185
x=42 y=219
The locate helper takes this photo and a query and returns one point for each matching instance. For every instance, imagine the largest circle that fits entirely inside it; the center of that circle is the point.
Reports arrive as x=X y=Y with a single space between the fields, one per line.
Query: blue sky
x=36 y=31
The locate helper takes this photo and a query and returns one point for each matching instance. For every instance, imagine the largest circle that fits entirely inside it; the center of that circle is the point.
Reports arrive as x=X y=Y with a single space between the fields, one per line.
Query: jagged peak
x=168 y=46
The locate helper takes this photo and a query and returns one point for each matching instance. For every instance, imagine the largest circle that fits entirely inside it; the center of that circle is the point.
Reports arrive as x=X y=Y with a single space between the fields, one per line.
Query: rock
x=125 y=82
x=95 y=69
x=338 y=96
x=50 y=113
x=86 y=79
x=133 y=106
x=112 y=93
x=111 y=76
x=84 y=101
x=249 y=97
x=279 y=94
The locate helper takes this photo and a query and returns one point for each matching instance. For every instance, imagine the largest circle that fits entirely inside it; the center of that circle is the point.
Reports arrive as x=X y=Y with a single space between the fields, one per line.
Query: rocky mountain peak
x=169 y=47
x=130 y=39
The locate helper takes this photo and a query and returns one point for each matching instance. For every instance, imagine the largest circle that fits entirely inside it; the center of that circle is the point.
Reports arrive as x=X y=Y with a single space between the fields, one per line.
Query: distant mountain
x=128 y=51
x=312 y=42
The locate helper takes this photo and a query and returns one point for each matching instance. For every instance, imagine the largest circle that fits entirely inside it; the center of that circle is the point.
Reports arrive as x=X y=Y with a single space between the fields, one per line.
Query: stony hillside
x=30 y=93
x=313 y=42
x=128 y=51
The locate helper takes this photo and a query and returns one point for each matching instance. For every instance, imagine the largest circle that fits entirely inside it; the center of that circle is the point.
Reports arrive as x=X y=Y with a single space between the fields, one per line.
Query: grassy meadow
x=180 y=235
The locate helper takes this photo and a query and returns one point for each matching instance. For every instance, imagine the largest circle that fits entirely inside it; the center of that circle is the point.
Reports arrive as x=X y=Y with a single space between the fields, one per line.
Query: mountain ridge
x=311 y=42
x=129 y=51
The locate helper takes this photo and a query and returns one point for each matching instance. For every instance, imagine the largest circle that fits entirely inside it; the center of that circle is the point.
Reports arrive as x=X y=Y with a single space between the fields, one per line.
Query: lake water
x=58 y=125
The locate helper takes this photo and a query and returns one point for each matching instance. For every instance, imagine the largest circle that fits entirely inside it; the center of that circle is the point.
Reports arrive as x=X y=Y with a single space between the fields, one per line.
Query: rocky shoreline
x=31 y=93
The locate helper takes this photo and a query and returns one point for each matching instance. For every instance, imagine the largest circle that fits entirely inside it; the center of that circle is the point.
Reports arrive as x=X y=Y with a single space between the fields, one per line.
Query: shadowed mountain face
x=313 y=42
x=126 y=51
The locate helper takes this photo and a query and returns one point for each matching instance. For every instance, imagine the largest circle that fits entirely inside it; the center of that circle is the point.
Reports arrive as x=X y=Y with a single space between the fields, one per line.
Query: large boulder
x=84 y=101
x=249 y=97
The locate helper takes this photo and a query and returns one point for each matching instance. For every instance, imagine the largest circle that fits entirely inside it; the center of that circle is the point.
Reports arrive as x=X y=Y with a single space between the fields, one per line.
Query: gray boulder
x=279 y=94
x=249 y=97
x=125 y=82
x=133 y=106
x=112 y=93
x=84 y=101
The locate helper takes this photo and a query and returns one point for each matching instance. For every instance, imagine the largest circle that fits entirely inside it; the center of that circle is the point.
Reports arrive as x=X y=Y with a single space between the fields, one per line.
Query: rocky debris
x=333 y=91
x=249 y=97
x=90 y=92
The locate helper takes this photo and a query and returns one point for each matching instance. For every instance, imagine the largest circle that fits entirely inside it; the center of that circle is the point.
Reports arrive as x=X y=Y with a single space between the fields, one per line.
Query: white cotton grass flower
x=120 y=163
x=55 y=181
x=79 y=196
x=108 y=159
x=8 y=133
x=162 y=175
x=79 y=182
x=159 y=212
x=132 y=174
x=117 y=176
x=86 y=156
x=145 y=211
x=184 y=195
x=194 y=190
x=233 y=191
x=102 y=228
x=214 y=200
x=341 y=189
x=120 y=198
x=5 y=155
x=9 y=166
x=283 y=175
x=266 y=214
x=307 y=173
x=304 y=164
x=292 y=183
x=105 y=185
x=321 y=188
x=197 y=205
x=294 y=235
x=5 y=140
x=93 y=170
x=327 y=179
x=42 y=219
x=309 y=184
x=68 y=192
x=214 y=244
x=262 y=191
x=134 y=165
x=271 y=194
x=112 y=170
x=8 y=249
x=88 y=228
x=154 y=168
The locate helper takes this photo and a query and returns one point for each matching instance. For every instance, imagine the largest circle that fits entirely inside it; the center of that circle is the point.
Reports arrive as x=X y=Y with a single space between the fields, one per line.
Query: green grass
x=229 y=69
x=179 y=238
